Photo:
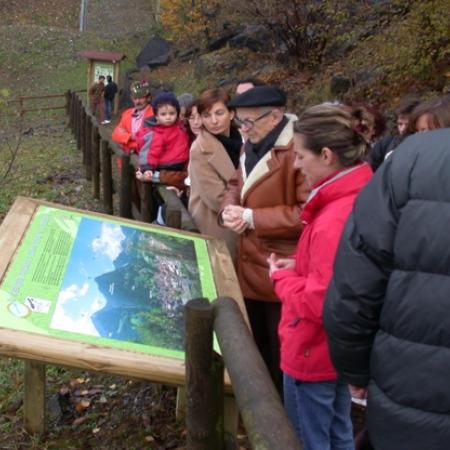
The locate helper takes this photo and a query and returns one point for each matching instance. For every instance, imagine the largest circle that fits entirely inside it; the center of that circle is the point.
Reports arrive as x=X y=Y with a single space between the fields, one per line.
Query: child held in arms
x=163 y=143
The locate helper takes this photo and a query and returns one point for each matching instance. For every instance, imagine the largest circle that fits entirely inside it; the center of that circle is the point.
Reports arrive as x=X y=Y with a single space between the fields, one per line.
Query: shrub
x=191 y=20
x=305 y=27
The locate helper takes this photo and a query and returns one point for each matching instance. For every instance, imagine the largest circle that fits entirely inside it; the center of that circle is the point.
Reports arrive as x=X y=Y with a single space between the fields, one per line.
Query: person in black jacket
x=387 y=311
x=108 y=95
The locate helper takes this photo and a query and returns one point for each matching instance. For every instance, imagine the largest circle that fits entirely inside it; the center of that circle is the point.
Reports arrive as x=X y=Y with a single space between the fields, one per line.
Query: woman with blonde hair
x=330 y=153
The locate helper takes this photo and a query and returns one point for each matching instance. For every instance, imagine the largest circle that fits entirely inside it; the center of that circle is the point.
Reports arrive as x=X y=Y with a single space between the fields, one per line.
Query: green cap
x=139 y=89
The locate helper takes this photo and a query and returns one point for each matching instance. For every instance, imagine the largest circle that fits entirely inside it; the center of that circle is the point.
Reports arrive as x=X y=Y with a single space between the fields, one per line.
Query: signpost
x=103 y=63
x=90 y=291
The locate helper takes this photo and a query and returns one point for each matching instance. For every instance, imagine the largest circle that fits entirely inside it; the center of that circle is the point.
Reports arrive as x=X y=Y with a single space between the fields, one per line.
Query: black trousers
x=264 y=318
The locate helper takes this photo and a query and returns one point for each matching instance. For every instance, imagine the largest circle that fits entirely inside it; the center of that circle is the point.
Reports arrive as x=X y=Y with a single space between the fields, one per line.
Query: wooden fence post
x=146 y=194
x=72 y=112
x=95 y=162
x=107 y=182
x=88 y=148
x=79 y=119
x=125 y=207
x=76 y=121
x=34 y=401
x=265 y=419
x=68 y=97
x=83 y=135
x=204 y=379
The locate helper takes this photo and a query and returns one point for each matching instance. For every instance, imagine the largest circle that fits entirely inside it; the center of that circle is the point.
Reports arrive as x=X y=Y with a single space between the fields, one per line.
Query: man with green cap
x=133 y=118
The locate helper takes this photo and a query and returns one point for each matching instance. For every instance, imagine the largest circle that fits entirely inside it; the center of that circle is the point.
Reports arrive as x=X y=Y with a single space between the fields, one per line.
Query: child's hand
x=176 y=190
x=139 y=175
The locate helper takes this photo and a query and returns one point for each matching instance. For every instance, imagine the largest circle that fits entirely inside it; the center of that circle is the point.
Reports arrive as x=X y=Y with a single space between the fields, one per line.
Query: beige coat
x=209 y=169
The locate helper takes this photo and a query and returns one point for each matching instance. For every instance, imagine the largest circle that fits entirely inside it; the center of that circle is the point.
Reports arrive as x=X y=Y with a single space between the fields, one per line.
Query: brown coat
x=275 y=191
x=209 y=169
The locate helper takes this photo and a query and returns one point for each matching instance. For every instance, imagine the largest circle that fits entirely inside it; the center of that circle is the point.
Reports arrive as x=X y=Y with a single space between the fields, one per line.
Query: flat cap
x=259 y=96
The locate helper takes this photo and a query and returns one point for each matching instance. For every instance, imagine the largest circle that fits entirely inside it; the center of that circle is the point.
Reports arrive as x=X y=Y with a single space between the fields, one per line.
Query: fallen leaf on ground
x=84 y=404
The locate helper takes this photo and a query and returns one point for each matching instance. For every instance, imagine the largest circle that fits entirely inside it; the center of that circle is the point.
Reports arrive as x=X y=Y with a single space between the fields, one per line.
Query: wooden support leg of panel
x=180 y=412
x=231 y=416
x=34 y=401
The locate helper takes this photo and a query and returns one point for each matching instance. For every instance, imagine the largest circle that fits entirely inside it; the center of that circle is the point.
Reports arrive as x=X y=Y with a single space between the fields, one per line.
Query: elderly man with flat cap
x=262 y=204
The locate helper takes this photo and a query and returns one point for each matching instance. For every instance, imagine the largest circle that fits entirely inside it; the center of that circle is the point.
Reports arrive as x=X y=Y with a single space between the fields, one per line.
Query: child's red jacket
x=163 y=147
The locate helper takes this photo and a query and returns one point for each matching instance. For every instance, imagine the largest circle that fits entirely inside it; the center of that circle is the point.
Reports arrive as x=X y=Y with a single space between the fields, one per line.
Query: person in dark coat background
x=109 y=94
x=387 y=144
x=387 y=308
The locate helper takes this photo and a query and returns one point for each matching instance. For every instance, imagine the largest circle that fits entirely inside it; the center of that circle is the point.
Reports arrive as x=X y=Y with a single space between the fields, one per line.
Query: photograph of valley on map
x=128 y=284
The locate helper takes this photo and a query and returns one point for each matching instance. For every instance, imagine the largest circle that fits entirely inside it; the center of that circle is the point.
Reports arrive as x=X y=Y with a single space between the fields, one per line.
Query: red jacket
x=122 y=132
x=163 y=147
x=304 y=349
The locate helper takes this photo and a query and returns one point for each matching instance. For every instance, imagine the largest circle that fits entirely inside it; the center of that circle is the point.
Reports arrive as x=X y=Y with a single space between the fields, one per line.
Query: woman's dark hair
x=406 y=106
x=190 y=106
x=207 y=99
x=187 y=114
x=332 y=126
x=437 y=111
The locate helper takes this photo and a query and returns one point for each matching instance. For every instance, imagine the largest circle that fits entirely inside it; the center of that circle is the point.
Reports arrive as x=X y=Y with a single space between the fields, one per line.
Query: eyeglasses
x=249 y=123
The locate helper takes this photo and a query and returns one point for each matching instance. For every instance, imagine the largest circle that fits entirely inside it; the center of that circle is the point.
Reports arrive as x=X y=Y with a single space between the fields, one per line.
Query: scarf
x=254 y=152
x=232 y=145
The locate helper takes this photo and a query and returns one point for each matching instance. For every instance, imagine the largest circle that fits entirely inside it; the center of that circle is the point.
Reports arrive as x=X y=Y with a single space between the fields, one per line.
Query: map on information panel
x=81 y=277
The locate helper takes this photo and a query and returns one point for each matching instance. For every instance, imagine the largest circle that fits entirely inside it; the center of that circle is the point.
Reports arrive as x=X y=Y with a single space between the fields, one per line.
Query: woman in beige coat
x=213 y=161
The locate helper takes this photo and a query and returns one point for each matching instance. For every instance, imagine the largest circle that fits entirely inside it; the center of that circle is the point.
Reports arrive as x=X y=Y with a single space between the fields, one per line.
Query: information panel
x=89 y=279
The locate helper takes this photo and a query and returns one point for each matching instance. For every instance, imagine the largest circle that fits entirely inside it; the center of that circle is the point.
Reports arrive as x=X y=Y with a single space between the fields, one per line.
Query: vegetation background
x=380 y=50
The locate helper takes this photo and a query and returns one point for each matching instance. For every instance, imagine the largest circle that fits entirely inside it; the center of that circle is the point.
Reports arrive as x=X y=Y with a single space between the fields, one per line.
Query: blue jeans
x=108 y=109
x=320 y=413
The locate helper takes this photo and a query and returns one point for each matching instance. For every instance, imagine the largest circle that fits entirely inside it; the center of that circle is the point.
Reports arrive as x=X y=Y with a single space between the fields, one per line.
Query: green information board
x=94 y=280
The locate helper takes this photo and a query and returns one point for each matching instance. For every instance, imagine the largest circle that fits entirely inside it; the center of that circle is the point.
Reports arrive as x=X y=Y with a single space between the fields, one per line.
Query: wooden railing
x=21 y=101
x=99 y=151
x=264 y=417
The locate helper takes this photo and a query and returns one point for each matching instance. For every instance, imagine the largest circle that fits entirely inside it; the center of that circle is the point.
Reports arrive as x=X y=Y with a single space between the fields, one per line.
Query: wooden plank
x=88 y=148
x=45 y=108
x=60 y=352
x=125 y=187
x=146 y=195
x=107 y=181
x=180 y=408
x=13 y=228
x=34 y=398
x=231 y=415
x=225 y=276
x=95 y=163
